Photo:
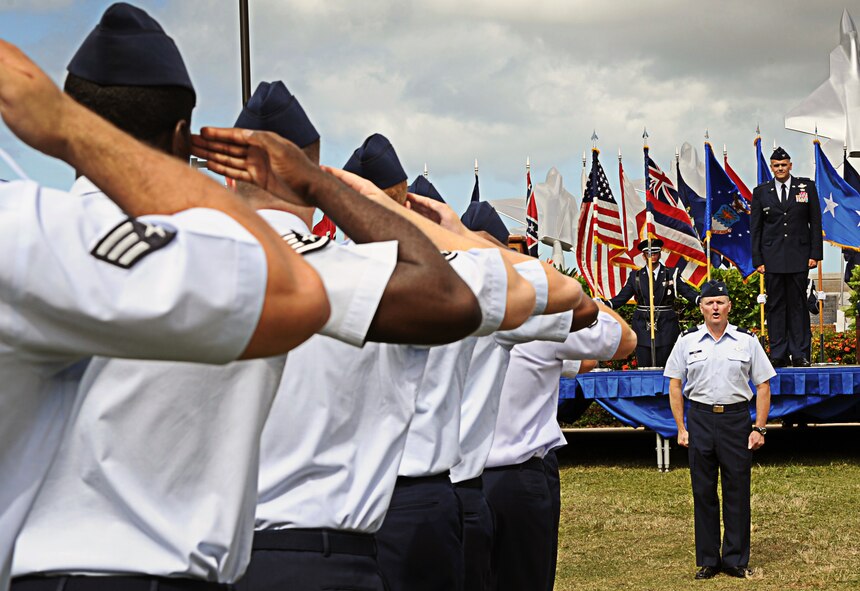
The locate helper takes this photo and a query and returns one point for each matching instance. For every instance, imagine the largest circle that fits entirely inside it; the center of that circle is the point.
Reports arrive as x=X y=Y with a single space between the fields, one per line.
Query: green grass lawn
x=624 y=525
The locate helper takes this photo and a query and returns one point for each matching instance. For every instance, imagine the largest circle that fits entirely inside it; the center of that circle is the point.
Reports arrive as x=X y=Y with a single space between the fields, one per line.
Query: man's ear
x=181 y=142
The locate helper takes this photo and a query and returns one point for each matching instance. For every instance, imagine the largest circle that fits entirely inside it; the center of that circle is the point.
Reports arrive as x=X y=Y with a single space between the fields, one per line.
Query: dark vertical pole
x=244 y=40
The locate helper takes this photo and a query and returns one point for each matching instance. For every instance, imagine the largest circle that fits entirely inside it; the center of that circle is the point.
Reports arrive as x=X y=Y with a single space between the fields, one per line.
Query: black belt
x=720 y=408
x=443 y=478
x=324 y=541
x=109 y=583
x=656 y=309
x=471 y=483
x=534 y=463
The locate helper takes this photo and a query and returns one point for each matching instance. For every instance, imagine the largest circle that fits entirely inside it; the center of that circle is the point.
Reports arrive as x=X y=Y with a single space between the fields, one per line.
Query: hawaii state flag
x=671 y=223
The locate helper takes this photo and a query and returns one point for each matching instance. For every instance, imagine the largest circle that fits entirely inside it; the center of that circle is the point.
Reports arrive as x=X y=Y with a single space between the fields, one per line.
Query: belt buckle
x=719 y=408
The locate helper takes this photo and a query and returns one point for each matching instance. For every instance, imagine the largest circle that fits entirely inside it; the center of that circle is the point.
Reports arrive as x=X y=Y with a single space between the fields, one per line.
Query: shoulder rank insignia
x=305 y=243
x=130 y=241
x=743 y=330
x=449 y=256
x=691 y=330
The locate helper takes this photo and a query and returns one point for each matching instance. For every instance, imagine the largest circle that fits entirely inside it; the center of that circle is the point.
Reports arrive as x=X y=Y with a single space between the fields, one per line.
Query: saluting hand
x=259 y=157
x=441 y=213
x=33 y=107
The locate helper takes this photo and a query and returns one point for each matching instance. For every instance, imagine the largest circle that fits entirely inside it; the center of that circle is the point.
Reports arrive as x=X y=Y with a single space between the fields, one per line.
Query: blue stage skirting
x=640 y=398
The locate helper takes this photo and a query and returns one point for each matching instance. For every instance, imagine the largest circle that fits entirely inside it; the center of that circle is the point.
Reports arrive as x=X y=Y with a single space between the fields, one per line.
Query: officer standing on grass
x=715 y=362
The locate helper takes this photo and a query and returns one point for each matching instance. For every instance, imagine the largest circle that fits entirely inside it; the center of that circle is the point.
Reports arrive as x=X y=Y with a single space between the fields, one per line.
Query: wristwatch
x=761 y=430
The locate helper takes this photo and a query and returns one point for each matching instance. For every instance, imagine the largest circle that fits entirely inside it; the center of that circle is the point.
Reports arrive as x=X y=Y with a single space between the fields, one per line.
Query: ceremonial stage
x=640 y=398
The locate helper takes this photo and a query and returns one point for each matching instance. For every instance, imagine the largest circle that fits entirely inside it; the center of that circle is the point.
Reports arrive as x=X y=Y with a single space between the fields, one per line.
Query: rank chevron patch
x=130 y=241
x=305 y=243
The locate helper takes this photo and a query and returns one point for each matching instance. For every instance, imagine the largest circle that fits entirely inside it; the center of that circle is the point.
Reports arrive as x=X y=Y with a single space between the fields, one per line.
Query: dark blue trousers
x=786 y=313
x=120 y=583
x=421 y=539
x=718 y=447
x=520 y=499
x=478 y=532
x=312 y=560
x=553 y=481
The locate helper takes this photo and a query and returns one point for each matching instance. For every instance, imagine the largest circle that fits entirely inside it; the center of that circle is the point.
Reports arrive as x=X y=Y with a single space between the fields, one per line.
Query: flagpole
x=624 y=236
x=648 y=259
x=757 y=144
x=244 y=41
x=708 y=213
x=842 y=258
x=820 y=286
x=584 y=164
x=426 y=172
x=593 y=254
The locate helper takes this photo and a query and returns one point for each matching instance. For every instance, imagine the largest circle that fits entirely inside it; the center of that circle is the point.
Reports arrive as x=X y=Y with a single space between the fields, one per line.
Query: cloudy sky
x=450 y=81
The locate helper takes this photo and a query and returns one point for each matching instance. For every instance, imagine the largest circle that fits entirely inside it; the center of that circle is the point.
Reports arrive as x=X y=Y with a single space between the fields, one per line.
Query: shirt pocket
x=740 y=358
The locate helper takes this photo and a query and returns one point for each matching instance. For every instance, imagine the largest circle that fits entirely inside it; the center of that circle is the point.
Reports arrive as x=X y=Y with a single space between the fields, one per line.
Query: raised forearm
x=141 y=181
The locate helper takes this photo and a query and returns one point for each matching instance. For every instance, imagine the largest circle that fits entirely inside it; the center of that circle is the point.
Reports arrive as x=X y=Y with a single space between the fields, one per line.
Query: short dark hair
x=145 y=112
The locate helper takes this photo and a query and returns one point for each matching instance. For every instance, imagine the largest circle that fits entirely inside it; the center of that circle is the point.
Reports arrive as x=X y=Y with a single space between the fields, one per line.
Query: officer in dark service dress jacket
x=785 y=227
x=667 y=285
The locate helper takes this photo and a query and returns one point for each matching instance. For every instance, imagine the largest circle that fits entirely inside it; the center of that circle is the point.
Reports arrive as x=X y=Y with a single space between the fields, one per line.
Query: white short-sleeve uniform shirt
x=157 y=473
x=718 y=371
x=480 y=401
x=335 y=437
x=526 y=426
x=432 y=442
x=80 y=279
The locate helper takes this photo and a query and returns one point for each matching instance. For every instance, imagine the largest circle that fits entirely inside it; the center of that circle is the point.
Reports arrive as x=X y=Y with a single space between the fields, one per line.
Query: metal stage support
x=662 y=453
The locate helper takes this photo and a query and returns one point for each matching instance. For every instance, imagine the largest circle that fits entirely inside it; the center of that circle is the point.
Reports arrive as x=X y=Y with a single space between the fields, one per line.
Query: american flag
x=531 y=217
x=672 y=224
x=604 y=267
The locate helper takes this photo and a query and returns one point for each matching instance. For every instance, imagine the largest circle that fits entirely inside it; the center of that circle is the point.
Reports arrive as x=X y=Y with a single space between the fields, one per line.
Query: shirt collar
x=283 y=221
x=787 y=184
x=730 y=332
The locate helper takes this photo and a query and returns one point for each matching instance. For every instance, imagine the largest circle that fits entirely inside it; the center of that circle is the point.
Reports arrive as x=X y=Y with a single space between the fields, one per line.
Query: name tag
x=802 y=197
x=696 y=356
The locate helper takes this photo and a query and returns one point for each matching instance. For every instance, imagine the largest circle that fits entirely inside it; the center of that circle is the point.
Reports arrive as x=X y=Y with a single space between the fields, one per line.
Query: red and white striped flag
x=601 y=253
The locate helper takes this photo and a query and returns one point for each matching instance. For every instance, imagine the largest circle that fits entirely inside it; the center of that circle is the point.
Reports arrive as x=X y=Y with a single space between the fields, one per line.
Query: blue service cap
x=129 y=48
x=714 y=288
x=421 y=186
x=780 y=154
x=273 y=108
x=377 y=162
x=480 y=215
